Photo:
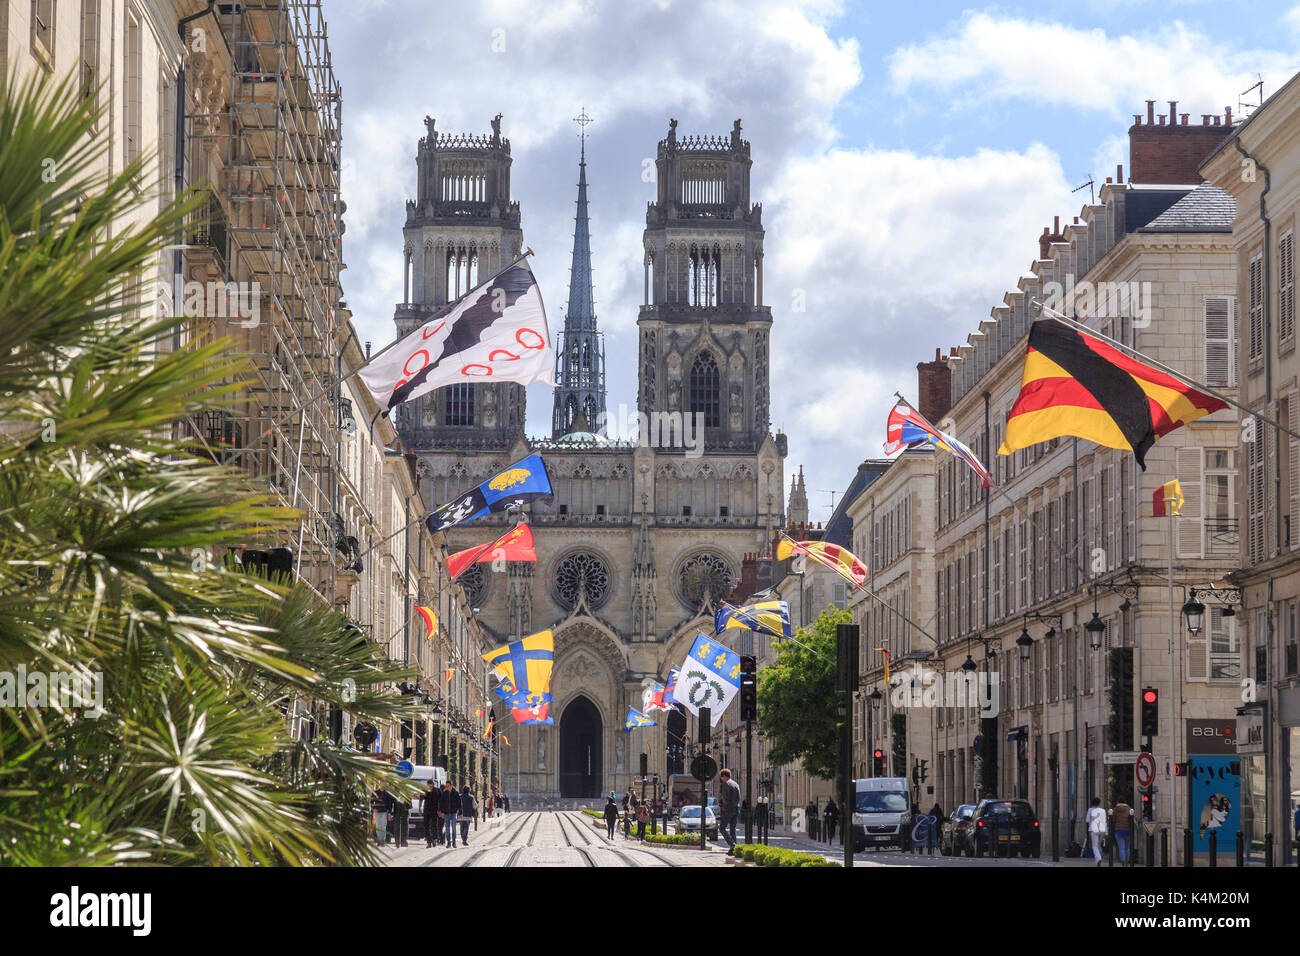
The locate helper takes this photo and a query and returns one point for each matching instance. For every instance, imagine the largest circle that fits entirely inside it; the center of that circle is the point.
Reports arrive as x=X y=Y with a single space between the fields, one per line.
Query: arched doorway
x=580 y=749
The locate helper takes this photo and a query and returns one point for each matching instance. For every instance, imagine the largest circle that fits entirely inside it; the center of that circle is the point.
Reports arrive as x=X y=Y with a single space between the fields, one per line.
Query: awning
x=1018 y=733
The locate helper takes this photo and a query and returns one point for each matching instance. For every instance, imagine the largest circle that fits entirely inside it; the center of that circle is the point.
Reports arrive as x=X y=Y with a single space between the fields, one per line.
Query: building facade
x=1260 y=166
x=645 y=535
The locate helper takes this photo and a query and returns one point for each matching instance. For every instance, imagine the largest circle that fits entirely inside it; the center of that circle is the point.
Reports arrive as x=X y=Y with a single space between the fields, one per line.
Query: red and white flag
x=496 y=333
x=515 y=545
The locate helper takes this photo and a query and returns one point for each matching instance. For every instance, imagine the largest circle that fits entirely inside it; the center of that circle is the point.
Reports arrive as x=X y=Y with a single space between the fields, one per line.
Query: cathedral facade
x=645 y=536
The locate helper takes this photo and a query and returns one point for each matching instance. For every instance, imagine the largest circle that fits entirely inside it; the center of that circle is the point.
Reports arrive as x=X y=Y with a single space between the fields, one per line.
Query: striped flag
x=1074 y=384
x=907 y=426
x=840 y=560
x=765 y=617
x=1168 y=499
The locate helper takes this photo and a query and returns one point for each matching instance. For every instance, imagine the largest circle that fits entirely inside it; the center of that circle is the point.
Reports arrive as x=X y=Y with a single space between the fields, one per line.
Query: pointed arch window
x=705 y=398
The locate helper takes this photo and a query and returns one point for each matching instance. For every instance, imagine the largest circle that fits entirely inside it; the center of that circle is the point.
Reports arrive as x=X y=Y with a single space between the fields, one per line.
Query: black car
x=1007 y=827
x=954 y=832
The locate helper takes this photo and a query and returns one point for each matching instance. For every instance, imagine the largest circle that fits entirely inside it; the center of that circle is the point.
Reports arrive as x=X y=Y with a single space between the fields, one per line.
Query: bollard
x=1151 y=848
x=1241 y=850
x=1189 y=859
x=1214 y=848
x=1056 y=839
x=1164 y=846
x=1268 y=849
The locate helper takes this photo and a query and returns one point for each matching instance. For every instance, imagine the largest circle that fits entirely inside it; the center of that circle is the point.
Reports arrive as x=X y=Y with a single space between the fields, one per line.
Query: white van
x=882 y=813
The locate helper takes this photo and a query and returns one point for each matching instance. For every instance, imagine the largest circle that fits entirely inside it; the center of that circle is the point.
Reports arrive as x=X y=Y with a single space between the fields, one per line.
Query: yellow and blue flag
x=637 y=719
x=526 y=480
x=765 y=617
x=525 y=663
x=709 y=677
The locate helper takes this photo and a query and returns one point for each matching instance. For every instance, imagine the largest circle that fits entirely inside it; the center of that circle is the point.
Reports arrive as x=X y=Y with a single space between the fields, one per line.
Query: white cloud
x=989 y=56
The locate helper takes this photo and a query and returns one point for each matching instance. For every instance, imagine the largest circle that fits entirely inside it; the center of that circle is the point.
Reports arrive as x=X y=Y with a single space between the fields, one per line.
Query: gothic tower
x=461 y=229
x=797 y=511
x=704 y=329
x=580 y=353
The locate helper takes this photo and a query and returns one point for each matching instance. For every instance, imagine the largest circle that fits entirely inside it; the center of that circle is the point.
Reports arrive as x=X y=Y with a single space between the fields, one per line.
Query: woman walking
x=611 y=815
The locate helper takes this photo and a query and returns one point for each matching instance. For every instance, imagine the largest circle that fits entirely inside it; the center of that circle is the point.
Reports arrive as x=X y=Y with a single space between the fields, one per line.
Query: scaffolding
x=269 y=153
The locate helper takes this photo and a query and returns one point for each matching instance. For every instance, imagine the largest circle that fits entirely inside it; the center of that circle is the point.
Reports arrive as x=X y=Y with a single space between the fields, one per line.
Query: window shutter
x=1256 y=283
x=1190 y=524
x=1197 y=654
x=1286 y=287
x=1255 y=498
x=1293 y=449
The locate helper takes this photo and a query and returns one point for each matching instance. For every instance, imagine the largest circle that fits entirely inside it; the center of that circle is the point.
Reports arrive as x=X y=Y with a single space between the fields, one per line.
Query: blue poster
x=1216 y=802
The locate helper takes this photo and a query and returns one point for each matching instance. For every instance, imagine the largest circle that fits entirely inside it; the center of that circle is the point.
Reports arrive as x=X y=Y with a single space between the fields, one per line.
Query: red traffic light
x=1146 y=798
x=1149 y=695
x=879 y=754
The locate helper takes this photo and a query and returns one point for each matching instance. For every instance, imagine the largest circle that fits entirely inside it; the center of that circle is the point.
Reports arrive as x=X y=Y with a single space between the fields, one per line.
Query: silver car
x=688 y=821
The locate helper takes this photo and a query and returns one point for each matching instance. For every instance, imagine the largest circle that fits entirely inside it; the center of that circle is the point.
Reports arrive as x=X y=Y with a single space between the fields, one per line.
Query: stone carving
x=649 y=359
x=580 y=667
x=496 y=129
x=735 y=135
x=541 y=749
x=582 y=573
x=703 y=579
x=674 y=363
x=760 y=381
x=620 y=752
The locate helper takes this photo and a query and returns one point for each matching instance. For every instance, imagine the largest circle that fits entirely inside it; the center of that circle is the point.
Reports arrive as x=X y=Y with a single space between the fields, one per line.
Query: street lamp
x=1194 y=611
x=1095 y=628
x=1025 y=643
x=969 y=665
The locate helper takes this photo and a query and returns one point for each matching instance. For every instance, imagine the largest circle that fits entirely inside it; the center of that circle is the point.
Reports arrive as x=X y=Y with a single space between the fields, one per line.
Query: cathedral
x=646 y=534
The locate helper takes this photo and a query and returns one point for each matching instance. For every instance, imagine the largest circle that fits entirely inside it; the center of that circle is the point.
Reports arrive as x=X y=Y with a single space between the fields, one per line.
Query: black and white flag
x=497 y=333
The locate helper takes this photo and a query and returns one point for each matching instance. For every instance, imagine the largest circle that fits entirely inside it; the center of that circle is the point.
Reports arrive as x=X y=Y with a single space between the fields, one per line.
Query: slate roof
x=1205 y=209
x=1144 y=204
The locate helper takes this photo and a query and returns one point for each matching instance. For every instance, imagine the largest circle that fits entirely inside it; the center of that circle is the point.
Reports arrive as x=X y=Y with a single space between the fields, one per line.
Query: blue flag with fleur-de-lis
x=710 y=677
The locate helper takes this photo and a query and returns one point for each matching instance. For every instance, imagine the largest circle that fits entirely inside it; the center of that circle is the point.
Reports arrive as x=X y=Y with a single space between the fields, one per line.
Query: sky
x=906 y=156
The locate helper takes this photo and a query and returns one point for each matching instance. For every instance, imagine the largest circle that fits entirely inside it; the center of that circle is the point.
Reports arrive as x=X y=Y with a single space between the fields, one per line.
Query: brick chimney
x=1050 y=236
x=1169 y=152
x=934 y=388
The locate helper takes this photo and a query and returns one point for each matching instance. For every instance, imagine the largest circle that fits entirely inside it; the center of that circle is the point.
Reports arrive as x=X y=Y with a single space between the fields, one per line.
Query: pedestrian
x=629 y=807
x=1096 y=821
x=430 y=811
x=810 y=816
x=449 y=804
x=468 y=812
x=1121 y=816
x=382 y=805
x=401 y=821
x=830 y=816
x=936 y=811
x=611 y=815
x=730 y=804
x=642 y=818
x=505 y=802
x=491 y=806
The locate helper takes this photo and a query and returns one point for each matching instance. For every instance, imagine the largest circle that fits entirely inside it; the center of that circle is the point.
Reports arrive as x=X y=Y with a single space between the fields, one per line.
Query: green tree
x=170 y=744
x=797 y=702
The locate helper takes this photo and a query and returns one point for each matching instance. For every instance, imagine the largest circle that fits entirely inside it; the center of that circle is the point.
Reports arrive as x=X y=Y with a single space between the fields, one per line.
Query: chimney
x=1227 y=116
x=1119 y=172
x=1168 y=152
x=934 y=388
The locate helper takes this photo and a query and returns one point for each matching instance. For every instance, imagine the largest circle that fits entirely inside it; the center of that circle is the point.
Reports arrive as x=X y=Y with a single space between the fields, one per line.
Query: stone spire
x=580 y=360
x=797 y=511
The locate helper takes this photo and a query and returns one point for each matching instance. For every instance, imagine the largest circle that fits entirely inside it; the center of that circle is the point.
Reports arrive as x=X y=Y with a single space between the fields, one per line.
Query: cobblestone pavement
x=550 y=838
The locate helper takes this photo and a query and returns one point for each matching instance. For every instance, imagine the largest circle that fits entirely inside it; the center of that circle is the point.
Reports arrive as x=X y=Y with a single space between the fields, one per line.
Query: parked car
x=688 y=821
x=954 y=834
x=1009 y=826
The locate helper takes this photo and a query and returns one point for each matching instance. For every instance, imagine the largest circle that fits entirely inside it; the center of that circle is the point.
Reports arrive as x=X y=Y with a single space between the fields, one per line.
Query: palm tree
x=167 y=740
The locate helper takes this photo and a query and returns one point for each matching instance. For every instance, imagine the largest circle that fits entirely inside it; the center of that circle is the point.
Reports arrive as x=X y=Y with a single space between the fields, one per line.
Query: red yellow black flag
x=1074 y=384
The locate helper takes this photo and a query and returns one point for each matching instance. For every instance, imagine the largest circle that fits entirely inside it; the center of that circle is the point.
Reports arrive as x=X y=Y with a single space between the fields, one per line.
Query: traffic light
x=925 y=774
x=748 y=688
x=706 y=724
x=1180 y=770
x=1147 y=812
x=1150 y=711
x=878 y=763
x=645 y=765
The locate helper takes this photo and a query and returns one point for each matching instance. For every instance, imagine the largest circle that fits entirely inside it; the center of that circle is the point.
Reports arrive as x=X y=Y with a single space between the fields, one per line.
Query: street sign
x=1149 y=826
x=1120 y=757
x=704 y=767
x=405 y=768
x=1145 y=770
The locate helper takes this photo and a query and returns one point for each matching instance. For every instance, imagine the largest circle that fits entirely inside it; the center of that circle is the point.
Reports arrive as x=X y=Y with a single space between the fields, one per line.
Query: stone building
x=1068 y=537
x=1259 y=164
x=645 y=535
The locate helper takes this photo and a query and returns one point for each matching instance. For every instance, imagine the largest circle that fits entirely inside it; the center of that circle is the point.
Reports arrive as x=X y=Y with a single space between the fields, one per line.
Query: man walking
x=468 y=812
x=432 y=832
x=382 y=805
x=730 y=806
x=449 y=804
x=1122 y=818
x=1096 y=821
x=401 y=821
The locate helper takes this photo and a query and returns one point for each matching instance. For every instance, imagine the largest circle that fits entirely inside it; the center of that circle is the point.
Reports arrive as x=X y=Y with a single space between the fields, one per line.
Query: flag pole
x=1160 y=366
